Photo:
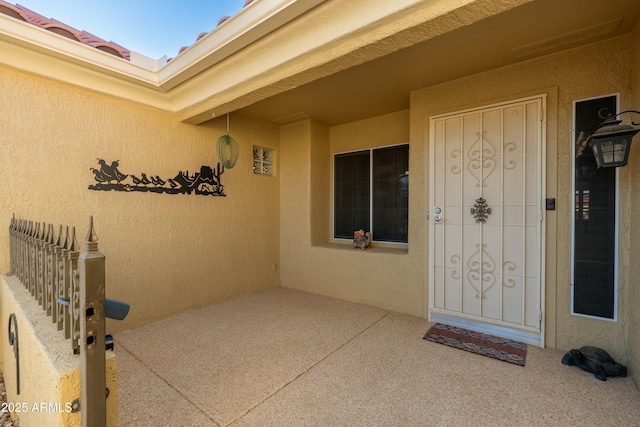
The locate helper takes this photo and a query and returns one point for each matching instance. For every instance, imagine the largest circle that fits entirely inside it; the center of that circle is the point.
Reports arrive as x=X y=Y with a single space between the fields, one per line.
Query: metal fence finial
x=51 y=235
x=72 y=242
x=58 y=239
x=62 y=242
x=92 y=237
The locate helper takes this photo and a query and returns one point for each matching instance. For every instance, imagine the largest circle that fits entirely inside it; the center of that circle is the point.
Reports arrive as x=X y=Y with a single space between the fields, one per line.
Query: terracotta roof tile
x=20 y=12
x=11 y=11
x=220 y=22
x=27 y=15
x=224 y=18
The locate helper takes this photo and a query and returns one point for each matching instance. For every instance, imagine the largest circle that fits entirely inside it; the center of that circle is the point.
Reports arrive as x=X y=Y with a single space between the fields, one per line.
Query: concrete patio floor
x=288 y=358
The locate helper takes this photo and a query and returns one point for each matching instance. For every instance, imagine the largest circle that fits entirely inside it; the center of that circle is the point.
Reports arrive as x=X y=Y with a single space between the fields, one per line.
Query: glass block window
x=263 y=161
x=371 y=192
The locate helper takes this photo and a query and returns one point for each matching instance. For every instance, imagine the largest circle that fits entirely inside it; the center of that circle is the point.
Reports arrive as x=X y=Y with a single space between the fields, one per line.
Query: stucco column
x=304 y=190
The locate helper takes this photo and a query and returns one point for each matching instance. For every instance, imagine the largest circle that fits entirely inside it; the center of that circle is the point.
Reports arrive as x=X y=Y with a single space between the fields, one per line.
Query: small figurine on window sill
x=361 y=239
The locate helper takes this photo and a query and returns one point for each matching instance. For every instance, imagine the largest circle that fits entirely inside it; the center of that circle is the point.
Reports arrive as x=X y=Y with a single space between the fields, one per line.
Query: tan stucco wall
x=633 y=328
x=385 y=277
x=165 y=254
x=395 y=279
x=591 y=71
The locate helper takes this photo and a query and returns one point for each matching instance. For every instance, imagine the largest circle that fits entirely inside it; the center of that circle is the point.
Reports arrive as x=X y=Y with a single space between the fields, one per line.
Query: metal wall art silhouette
x=206 y=182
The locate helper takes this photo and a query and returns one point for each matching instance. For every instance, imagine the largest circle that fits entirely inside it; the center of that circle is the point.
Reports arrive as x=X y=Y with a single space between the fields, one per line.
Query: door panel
x=486 y=215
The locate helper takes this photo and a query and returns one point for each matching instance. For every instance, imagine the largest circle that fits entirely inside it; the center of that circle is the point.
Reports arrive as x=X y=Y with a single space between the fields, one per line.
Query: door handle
x=437 y=217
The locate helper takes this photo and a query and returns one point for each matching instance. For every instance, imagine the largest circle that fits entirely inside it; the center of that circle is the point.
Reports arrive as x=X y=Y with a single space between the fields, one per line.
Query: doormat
x=476 y=342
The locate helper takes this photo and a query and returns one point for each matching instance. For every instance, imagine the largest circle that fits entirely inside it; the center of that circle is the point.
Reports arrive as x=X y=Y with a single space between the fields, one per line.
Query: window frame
x=370 y=150
x=574 y=206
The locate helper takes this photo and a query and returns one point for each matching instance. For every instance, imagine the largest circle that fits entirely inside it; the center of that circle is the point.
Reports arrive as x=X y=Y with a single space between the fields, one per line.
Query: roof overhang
x=143 y=80
x=274 y=56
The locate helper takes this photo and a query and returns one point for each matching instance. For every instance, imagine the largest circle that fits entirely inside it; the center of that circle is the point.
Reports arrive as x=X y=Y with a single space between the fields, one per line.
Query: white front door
x=486 y=219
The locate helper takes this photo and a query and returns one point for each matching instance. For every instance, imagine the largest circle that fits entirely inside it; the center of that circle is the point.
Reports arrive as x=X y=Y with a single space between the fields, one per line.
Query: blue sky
x=152 y=28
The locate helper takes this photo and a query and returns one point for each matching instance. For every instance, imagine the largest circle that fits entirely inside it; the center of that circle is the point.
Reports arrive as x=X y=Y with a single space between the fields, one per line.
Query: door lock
x=437 y=210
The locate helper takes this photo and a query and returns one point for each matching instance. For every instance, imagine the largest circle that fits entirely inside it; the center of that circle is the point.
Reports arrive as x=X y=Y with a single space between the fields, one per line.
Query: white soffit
x=268 y=47
x=249 y=25
x=253 y=22
x=30 y=37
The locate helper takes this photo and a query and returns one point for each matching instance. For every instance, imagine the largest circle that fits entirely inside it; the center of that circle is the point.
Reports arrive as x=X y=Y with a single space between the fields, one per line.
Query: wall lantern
x=227 y=149
x=611 y=142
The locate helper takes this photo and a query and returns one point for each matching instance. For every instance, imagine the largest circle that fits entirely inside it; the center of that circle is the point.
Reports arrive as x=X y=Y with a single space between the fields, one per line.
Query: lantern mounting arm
x=612 y=117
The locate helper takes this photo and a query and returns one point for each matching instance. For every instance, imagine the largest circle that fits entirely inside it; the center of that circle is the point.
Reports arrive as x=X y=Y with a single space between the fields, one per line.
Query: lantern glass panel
x=612 y=152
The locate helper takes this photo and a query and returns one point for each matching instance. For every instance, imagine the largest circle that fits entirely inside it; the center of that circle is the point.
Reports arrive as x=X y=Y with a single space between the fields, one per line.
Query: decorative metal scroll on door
x=482 y=154
x=205 y=182
x=482 y=269
x=481 y=210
